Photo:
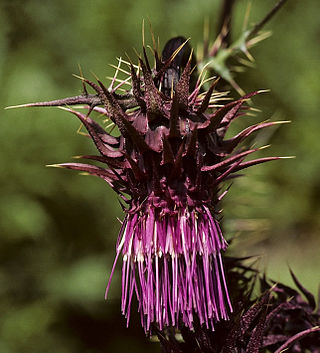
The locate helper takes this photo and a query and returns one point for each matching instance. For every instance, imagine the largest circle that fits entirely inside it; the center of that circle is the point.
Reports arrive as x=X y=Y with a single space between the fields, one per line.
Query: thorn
x=288 y=157
x=264 y=91
x=136 y=52
x=79 y=77
x=206 y=31
x=246 y=16
x=119 y=68
x=257 y=27
x=249 y=56
x=152 y=37
x=203 y=71
x=237 y=87
x=64 y=108
x=124 y=82
x=83 y=84
x=172 y=89
x=259 y=38
x=54 y=166
x=129 y=63
x=94 y=75
x=282 y=122
x=18 y=106
x=79 y=132
x=144 y=49
x=143 y=32
x=263 y=147
x=175 y=53
x=206 y=100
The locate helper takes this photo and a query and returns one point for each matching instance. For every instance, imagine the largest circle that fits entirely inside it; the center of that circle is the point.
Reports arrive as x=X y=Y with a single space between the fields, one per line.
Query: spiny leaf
x=297 y=337
x=308 y=295
x=176 y=170
x=122 y=122
x=204 y=104
x=229 y=145
x=255 y=341
x=91 y=169
x=229 y=160
x=151 y=94
x=182 y=87
x=110 y=161
x=174 y=117
x=91 y=99
x=168 y=156
x=257 y=161
x=99 y=136
x=136 y=88
x=192 y=143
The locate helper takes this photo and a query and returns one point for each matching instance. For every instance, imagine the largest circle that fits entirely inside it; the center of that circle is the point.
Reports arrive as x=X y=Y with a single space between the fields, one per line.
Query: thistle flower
x=168 y=165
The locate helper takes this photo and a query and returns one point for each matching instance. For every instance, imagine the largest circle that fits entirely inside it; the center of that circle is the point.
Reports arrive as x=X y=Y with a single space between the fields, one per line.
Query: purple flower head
x=167 y=165
x=172 y=260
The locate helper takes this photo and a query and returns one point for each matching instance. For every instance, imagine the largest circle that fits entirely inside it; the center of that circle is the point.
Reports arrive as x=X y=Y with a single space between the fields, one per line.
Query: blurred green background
x=58 y=229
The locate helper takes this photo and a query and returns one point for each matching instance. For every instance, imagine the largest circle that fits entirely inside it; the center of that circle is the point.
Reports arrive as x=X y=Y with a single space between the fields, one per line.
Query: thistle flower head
x=167 y=164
